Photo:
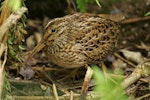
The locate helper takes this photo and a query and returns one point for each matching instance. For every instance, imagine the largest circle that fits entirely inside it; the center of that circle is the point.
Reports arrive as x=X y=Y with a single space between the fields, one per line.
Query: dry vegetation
x=37 y=77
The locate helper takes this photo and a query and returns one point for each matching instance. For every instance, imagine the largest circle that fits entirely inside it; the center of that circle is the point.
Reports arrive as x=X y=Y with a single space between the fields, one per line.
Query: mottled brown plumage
x=75 y=40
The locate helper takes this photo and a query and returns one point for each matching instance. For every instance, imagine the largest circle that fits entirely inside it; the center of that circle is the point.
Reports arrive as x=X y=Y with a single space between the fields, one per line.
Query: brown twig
x=141 y=70
x=121 y=58
x=55 y=92
x=87 y=79
x=142 y=97
x=133 y=20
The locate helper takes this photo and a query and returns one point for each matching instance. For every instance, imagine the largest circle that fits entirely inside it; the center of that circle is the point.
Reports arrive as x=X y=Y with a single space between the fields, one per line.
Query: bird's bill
x=39 y=47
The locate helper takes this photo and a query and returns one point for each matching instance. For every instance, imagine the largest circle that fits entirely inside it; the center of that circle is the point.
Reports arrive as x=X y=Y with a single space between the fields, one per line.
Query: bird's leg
x=86 y=82
x=72 y=74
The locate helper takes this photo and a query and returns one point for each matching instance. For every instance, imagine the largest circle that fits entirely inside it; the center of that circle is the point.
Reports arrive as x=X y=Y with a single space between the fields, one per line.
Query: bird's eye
x=53 y=30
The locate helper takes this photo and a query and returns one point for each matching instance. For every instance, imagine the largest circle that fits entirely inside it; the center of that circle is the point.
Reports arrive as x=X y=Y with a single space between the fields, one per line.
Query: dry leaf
x=132 y=56
x=27 y=72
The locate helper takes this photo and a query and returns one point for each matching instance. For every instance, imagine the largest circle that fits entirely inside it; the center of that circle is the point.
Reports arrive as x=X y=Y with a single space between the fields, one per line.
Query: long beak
x=39 y=47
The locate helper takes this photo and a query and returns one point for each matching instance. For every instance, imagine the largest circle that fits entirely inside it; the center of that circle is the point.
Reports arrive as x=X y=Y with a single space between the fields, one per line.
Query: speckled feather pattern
x=75 y=40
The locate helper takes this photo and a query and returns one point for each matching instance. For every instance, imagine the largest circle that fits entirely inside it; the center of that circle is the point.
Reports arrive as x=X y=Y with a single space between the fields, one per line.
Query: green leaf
x=82 y=5
x=107 y=84
x=21 y=47
x=97 y=1
x=11 y=51
x=15 y=4
x=148 y=13
x=89 y=1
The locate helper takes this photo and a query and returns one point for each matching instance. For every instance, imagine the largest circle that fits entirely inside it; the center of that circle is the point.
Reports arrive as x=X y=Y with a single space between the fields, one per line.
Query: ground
x=133 y=41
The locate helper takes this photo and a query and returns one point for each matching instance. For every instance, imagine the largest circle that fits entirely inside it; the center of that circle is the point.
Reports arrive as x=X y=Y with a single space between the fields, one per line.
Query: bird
x=78 y=39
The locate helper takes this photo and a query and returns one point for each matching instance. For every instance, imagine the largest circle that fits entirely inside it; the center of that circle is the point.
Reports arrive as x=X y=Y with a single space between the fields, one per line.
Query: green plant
x=147 y=14
x=16 y=35
x=81 y=4
x=109 y=88
x=15 y=4
x=10 y=40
